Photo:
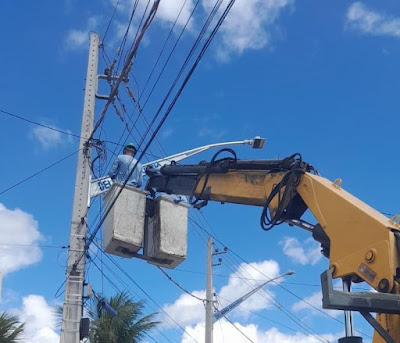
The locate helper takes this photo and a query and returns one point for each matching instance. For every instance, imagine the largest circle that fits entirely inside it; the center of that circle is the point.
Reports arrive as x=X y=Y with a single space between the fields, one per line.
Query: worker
x=123 y=165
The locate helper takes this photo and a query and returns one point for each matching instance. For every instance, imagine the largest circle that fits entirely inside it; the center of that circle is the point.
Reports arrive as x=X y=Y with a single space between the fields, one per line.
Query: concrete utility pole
x=209 y=295
x=72 y=310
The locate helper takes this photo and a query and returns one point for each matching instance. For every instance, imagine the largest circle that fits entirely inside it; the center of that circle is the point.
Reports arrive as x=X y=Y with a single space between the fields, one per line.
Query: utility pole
x=72 y=310
x=209 y=295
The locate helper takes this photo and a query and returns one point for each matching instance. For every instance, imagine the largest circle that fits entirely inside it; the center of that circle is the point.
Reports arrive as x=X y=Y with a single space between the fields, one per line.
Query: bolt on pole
x=72 y=309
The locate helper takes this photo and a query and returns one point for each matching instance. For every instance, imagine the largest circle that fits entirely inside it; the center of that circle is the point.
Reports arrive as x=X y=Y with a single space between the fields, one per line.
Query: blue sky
x=317 y=77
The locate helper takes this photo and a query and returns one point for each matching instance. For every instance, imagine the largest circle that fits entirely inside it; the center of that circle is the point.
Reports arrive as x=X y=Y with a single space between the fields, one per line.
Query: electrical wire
x=179 y=286
x=126 y=68
x=179 y=74
x=110 y=21
x=276 y=304
x=166 y=41
x=134 y=126
x=168 y=111
x=145 y=122
x=112 y=95
x=42 y=125
x=118 y=290
x=53 y=128
x=39 y=172
x=124 y=39
x=128 y=289
x=146 y=294
x=258 y=280
x=296 y=296
x=249 y=264
x=35 y=245
x=165 y=64
x=141 y=22
x=244 y=335
x=279 y=284
x=183 y=67
x=266 y=318
x=169 y=57
x=144 y=28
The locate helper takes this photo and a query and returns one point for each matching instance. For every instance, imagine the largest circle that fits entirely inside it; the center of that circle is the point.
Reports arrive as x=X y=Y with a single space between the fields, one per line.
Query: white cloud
x=314 y=300
x=167 y=13
x=187 y=310
x=77 y=39
x=308 y=253
x=312 y=303
x=226 y=332
x=40 y=320
x=18 y=227
x=362 y=19
x=237 y=287
x=249 y=24
x=169 y=9
x=49 y=138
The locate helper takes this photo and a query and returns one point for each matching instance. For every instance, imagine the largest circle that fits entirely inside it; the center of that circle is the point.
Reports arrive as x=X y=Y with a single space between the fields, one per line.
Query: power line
x=274 y=302
x=35 y=245
x=110 y=21
x=121 y=48
x=127 y=66
x=188 y=76
x=144 y=120
x=144 y=28
x=179 y=286
x=244 y=335
x=138 y=101
x=141 y=21
x=38 y=124
x=166 y=41
x=277 y=304
x=68 y=133
x=208 y=41
x=166 y=114
x=114 y=285
x=147 y=295
x=186 y=79
x=264 y=317
x=176 y=79
x=296 y=320
x=290 y=292
x=114 y=91
x=252 y=279
x=39 y=172
x=169 y=57
x=279 y=284
x=127 y=289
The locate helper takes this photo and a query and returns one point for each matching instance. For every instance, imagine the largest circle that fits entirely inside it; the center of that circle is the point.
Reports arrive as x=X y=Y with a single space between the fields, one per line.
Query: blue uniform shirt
x=121 y=168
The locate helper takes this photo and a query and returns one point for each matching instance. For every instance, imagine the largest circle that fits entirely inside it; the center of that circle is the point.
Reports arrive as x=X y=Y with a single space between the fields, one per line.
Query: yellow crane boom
x=361 y=243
